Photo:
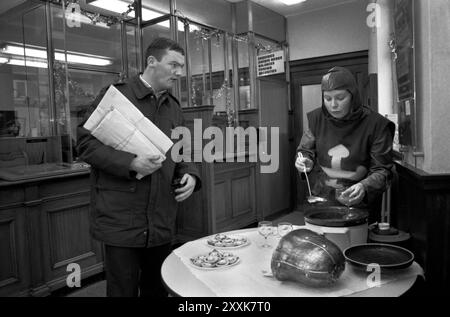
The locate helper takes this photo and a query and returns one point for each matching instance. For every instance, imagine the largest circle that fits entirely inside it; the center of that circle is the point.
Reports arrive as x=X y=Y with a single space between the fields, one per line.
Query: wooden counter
x=44 y=226
x=422 y=208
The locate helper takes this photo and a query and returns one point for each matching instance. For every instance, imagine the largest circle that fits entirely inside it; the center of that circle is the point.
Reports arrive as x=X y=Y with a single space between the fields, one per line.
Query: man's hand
x=189 y=185
x=146 y=164
x=355 y=194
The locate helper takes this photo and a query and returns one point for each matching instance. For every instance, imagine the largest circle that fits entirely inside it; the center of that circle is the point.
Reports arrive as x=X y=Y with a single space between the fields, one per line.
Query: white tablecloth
x=247 y=280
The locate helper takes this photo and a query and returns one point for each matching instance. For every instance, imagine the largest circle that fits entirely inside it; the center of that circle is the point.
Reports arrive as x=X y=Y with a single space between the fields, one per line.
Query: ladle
x=311 y=199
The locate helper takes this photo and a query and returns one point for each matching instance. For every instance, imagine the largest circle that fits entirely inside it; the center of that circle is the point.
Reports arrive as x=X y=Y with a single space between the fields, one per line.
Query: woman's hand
x=303 y=164
x=355 y=194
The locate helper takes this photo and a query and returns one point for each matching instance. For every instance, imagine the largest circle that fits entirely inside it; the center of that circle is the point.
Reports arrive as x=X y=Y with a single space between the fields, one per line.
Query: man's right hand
x=146 y=164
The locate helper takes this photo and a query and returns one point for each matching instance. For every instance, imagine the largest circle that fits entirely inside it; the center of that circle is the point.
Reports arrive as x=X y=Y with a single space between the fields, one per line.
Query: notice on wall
x=270 y=64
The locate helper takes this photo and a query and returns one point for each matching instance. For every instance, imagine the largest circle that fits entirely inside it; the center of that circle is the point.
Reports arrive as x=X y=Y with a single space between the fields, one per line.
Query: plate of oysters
x=214 y=260
x=223 y=241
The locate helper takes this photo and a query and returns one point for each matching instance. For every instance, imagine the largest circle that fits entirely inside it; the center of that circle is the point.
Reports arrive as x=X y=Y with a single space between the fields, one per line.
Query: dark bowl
x=335 y=216
x=385 y=255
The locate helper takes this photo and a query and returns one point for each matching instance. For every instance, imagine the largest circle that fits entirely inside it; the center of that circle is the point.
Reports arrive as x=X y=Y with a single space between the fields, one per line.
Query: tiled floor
x=98 y=289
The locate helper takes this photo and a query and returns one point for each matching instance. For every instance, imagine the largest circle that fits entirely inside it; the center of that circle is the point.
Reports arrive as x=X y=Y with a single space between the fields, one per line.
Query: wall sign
x=270 y=64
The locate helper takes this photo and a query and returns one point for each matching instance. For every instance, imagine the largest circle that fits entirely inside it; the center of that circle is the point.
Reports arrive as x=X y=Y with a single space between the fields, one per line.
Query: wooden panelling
x=8 y=264
x=422 y=208
x=234 y=199
x=221 y=203
x=14 y=277
x=66 y=226
x=44 y=226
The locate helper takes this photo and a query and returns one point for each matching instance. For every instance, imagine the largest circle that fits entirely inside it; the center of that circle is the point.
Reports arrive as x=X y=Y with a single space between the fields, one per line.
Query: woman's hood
x=340 y=78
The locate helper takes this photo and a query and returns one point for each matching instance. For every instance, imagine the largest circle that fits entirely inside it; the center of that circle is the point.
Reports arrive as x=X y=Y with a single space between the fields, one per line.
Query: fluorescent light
x=111 y=5
x=21 y=62
x=292 y=2
x=3 y=60
x=81 y=59
x=72 y=57
x=18 y=50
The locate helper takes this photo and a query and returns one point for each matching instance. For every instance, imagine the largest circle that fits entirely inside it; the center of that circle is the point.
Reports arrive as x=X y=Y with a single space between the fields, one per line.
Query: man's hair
x=159 y=47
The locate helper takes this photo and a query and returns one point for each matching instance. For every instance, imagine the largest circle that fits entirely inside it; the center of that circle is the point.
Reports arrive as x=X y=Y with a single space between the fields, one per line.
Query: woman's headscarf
x=340 y=78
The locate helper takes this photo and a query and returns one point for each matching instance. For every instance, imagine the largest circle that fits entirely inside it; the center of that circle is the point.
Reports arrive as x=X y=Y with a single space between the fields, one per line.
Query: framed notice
x=270 y=64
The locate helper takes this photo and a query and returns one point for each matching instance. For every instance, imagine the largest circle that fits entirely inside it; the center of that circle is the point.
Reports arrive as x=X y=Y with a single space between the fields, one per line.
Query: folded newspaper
x=118 y=123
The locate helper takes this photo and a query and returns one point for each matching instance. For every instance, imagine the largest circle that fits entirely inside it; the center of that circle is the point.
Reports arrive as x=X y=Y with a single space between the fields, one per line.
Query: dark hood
x=340 y=78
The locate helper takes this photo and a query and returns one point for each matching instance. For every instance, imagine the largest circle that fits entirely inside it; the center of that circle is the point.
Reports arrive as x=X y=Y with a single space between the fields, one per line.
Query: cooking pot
x=344 y=226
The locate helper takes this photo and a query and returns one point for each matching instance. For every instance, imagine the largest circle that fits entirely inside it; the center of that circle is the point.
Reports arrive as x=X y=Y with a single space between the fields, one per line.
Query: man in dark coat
x=135 y=219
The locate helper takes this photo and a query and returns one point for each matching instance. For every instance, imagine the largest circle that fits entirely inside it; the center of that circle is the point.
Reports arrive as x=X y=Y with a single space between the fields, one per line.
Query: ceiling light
x=291 y=2
x=111 y=5
x=19 y=50
x=72 y=57
x=21 y=62
x=3 y=60
x=82 y=59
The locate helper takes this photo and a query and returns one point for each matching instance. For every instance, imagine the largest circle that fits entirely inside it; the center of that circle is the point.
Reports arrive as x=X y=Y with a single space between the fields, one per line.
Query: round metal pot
x=344 y=226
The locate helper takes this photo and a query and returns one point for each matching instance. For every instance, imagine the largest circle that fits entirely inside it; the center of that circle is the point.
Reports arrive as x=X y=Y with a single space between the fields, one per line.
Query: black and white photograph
x=224 y=155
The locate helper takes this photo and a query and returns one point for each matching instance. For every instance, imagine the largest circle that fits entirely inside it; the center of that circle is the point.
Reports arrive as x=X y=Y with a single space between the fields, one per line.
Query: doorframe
x=301 y=73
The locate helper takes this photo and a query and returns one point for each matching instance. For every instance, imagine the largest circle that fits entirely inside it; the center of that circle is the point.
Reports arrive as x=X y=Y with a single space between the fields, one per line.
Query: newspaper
x=118 y=123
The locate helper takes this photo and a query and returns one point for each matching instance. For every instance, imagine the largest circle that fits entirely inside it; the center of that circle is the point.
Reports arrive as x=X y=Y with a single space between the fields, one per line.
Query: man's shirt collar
x=142 y=88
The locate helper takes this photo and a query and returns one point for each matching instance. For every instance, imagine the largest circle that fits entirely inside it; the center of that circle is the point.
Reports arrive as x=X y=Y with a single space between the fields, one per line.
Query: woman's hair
x=159 y=47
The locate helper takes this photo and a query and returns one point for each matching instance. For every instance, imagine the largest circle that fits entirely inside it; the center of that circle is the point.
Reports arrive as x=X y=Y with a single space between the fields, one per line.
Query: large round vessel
x=307 y=257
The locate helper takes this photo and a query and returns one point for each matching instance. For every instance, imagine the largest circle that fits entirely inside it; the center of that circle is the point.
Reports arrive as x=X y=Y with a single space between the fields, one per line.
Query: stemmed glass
x=265 y=229
x=284 y=228
x=343 y=198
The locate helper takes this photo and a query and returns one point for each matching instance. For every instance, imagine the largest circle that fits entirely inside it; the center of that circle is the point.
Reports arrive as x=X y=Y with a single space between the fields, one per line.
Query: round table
x=180 y=281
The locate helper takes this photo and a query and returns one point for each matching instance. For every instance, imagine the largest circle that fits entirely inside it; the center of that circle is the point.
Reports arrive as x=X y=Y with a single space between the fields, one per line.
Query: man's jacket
x=125 y=211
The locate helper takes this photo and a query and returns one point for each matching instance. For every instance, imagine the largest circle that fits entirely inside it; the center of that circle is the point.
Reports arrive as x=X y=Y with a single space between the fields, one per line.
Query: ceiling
x=5 y=5
x=274 y=5
x=308 y=6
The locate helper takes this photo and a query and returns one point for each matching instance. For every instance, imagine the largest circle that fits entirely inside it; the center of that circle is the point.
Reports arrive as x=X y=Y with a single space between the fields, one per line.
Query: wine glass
x=265 y=229
x=342 y=197
x=284 y=228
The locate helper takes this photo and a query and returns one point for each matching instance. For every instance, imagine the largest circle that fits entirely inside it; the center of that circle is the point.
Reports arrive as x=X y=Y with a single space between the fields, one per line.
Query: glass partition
x=45 y=96
x=243 y=73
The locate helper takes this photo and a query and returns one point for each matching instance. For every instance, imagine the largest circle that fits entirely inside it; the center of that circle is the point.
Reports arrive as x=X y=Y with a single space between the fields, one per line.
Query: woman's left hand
x=355 y=194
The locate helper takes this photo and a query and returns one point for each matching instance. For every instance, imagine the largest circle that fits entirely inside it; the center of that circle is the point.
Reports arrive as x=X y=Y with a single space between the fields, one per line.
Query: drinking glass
x=284 y=228
x=343 y=198
x=265 y=229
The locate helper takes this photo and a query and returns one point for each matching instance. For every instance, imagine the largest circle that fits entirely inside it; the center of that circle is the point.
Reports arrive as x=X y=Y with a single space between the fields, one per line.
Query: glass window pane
x=243 y=73
x=183 y=98
x=94 y=45
x=23 y=74
x=132 y=50
x=84 y=86
x=151 y=32
x=220 y=83
x=200 y=66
